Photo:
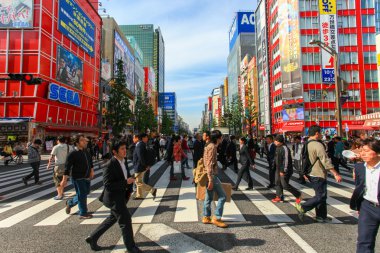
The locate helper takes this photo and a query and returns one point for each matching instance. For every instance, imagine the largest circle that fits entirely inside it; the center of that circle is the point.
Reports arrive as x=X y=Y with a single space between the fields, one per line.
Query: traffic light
x=27 y=79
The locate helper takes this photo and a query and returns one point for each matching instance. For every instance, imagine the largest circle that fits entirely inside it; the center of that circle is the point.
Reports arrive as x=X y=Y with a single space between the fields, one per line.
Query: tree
x=144 y=114
x=236 y=115
x=205 y=128
x=250 y=113
x=214 y=123
x=225 y=120
x=167 y=124
x=119 y=113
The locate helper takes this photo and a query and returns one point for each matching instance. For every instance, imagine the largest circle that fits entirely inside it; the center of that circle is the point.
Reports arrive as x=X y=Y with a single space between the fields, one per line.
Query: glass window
x=311 y=59
x=311 y=77
x=309 y=23
x=370 y=57
x=369 y=39
x=372 y=95
x=367 y=4
x=305 y=40
x=370 y=76
x=348 y=58
x=350 y=76
x=368 y=20
x=346 y=21
x=345 y=4
x=348 y=40
x=308 y=5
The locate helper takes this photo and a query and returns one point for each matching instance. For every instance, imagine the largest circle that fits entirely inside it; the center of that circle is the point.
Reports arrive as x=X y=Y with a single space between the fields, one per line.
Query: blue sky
x=196 y=43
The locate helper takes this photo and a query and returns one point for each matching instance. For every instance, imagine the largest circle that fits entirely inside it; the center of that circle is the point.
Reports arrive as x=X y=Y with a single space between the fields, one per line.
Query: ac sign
x=248 y=20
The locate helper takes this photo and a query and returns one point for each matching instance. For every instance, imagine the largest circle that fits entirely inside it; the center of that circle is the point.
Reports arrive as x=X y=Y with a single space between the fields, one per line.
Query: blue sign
x=76 y=25
x=167 y=101
x=63 y=95
x=328 y=76
x=244 y=22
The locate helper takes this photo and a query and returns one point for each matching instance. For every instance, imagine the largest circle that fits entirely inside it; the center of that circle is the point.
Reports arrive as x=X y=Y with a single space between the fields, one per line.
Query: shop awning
x=285 y=129
x=375 y=115
x=373 y=123
x=359 y=127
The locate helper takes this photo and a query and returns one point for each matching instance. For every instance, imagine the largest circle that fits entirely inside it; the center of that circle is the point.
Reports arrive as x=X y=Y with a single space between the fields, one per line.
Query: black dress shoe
x=154 y=194
x=235 y=188
x=249 y=188
x=270 y=186
x=134 y=250
x=94 y=246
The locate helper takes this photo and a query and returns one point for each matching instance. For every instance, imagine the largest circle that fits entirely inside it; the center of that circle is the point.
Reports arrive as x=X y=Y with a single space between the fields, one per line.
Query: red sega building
x=356 y=45
x=50 y=39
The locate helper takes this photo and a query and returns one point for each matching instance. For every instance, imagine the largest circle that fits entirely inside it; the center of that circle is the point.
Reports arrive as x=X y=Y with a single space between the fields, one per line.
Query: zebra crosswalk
x=175 y=204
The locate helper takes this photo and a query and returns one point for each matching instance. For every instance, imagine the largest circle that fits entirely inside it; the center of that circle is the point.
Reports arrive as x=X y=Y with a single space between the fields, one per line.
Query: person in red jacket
x=179 y=156
x=186 y=150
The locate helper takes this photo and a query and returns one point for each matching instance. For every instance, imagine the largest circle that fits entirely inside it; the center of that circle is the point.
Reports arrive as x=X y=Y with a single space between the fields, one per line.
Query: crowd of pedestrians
x=311 y=158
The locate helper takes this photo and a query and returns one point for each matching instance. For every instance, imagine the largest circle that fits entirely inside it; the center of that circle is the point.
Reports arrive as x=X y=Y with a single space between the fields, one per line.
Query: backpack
x=200 y=174
x=151 y=157
x=307 y=166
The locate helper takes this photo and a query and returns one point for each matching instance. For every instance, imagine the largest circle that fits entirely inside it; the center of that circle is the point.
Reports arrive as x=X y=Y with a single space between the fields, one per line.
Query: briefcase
x=201 y=192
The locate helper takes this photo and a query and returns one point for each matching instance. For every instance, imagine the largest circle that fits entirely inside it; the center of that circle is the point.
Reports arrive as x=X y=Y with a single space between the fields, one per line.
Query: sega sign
x=244 y=22
x=63 y=95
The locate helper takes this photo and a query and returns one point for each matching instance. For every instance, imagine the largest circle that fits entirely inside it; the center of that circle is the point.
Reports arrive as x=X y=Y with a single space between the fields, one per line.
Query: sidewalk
x=25 y=160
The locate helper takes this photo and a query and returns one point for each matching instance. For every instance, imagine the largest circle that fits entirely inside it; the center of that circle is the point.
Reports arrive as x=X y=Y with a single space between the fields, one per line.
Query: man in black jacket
x=231 y=153
x=140 y=166
x=156 y=147
x=198 y=148
x=79 y=165
x=222 y=148
x=270 y=152
x=284 y=170
x=169 y=156
x=246 y=161
x=117 y=181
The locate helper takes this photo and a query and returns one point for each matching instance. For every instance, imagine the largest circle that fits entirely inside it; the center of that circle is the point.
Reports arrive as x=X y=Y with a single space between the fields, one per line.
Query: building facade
x=301 y=77
x=159 y=60
x=63 y=49
x=168 y=103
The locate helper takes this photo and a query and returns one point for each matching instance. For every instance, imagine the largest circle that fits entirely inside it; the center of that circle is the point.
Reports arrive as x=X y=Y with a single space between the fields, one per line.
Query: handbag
x=177 y=167
x=200 y=174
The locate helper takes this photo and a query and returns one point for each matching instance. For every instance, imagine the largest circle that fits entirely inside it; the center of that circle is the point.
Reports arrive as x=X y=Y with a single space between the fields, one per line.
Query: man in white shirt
x=59 y=154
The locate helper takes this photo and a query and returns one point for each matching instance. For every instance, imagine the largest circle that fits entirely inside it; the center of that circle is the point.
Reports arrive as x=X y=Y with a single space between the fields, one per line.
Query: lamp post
x=338 y=105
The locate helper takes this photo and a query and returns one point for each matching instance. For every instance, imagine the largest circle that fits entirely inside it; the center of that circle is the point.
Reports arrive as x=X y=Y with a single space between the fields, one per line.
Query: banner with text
x=328 y=28
x=16 y=14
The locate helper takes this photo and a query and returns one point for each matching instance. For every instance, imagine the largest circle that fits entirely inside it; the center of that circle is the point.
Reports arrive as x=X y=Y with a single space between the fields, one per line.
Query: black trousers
x=319 y=200
x=244 y=170
x=35 y=172
x=369 y=222
x=272 y=172
x=157 y=153
x=146 y=177
x=120 y=214
x=282 y=183
x=233 y=161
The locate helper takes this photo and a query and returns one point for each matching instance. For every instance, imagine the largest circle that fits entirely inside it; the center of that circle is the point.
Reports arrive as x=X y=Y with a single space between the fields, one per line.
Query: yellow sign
x=327 y=7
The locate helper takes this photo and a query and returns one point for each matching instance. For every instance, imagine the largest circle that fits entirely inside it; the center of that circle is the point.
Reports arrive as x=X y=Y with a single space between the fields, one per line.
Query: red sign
x=210 y=103
x=262 y=127
x=294 y=123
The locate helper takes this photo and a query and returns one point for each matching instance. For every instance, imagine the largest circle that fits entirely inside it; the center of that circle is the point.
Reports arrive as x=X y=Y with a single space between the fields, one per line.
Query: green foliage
x=251 y=113
x=236 y=115
x=119 y=113
x=167 y=125
x=144 y=114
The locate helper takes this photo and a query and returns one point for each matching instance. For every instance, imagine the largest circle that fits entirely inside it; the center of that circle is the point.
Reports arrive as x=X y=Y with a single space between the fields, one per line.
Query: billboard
x=76 y=25
x=138 y=52
x=69 y=68
x=167 y=101
x=16 y=14
x=328 y=29
x=290 y=50
x=244 y=22
x=292 y=114
x=122 y=52
x=106 y=70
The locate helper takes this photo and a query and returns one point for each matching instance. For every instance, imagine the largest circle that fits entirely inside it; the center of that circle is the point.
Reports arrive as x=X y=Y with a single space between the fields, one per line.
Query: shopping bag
x=177 y=167
x=201 y=192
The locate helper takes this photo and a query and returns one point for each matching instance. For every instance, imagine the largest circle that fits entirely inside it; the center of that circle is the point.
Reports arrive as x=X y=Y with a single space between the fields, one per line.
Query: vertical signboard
x=290 y=49
x=328 y=29
x=122 y=52
x=244 y=22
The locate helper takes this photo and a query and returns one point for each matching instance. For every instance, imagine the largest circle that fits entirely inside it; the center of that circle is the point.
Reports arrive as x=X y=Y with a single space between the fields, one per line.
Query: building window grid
x=308 y=5
x=368 y=21
x=366 y=4
x=348 y=40
x=369 y=39
x=370 y=76
x=369 y=57
x=311 y=59
x=346 y=4
x=348 y=58
x=346 y=21
x=305 y=40
x=309 y=23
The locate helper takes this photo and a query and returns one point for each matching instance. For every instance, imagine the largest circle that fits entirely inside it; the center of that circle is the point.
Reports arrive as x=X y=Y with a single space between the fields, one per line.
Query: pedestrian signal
x=27 y=79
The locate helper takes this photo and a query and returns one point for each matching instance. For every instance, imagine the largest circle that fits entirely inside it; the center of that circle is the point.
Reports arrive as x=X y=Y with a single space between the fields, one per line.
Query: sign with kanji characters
x=328 y=29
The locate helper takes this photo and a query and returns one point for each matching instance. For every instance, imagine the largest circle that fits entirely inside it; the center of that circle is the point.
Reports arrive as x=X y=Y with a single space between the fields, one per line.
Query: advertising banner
x=106 y=70
x=244 y=22
x=290 y=49
x=76 y=25
x=167 y=101
x=16 y=14
x=69 y=68
x=122 y=52
x=292 y=114
x=328 y=29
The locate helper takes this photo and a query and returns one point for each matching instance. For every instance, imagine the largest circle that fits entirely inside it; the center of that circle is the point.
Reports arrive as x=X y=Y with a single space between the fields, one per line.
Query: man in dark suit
x=198 y=149
x=231 y=153
x=141 y=167
x=222 y=148
x=246 y=161
x=270 y=152
x=169 y=156
x=366 y=196
x=117 y=182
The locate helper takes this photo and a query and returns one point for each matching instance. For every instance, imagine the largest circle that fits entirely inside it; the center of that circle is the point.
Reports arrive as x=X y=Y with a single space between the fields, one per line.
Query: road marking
x=231 y=212
x=61 y=215
x=172 y=240
x=311 y=213
x=187 y=206
x=148 y=207
x=29 y=212
x=266 y=207
x=296 y=238
x=120 y=247
x=331 y=201
x=98 y=217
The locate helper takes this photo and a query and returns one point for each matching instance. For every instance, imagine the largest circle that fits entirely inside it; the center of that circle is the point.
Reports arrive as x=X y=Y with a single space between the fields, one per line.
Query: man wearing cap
x=284 y=170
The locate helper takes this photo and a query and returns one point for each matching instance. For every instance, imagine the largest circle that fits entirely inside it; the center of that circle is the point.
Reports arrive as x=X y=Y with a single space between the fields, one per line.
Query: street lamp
x=334 y=54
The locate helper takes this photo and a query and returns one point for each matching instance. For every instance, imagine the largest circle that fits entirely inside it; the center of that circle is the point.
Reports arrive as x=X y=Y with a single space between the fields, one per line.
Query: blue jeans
x=82 y=188
x=368 y=227
x=210 y=196
x=319 y=200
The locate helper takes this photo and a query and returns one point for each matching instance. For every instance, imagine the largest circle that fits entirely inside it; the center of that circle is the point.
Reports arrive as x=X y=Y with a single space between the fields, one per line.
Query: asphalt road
x=31 y=221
